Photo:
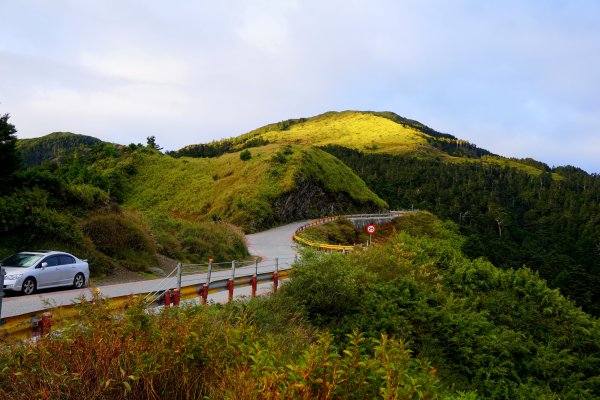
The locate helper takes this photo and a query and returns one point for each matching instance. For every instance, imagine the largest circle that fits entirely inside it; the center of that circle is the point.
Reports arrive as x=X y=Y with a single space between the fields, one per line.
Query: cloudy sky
x=519 y=78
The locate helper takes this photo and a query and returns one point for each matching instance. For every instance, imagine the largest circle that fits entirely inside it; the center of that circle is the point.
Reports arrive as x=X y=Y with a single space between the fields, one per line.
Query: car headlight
x=13 y=277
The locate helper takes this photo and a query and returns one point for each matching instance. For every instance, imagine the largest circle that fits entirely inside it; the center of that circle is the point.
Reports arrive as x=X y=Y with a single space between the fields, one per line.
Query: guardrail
x=321 y=246
x=339 y=247
x=187 y=285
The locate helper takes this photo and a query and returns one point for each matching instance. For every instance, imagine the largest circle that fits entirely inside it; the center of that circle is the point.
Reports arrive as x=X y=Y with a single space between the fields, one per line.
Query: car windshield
x=23 y=260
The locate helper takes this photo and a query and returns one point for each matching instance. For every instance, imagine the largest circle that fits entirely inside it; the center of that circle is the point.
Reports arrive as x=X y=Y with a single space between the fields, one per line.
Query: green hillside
x=57 y=145
x=515 y=211
x=276 y=184
x=119 y=205
x=367 y=131
x=74 y=202
x=510 y=215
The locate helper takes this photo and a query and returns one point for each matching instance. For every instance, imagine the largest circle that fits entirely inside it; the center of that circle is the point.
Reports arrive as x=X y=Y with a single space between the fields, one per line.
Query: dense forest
x=549 y=222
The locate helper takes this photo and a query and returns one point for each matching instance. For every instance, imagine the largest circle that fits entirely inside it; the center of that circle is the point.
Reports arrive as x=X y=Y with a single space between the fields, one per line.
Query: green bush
x=88 y=196
x=122 y=238
x=196 y=241
x=327 y=286
x=341 y=231
x=245 y=155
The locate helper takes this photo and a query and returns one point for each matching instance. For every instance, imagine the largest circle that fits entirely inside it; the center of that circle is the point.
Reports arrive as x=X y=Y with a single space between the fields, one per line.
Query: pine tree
x=9 y=158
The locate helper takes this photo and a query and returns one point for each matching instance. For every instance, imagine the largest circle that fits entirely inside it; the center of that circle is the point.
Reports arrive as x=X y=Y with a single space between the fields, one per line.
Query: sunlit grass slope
x=362 y=131
x=243 y=192
x=370 y=132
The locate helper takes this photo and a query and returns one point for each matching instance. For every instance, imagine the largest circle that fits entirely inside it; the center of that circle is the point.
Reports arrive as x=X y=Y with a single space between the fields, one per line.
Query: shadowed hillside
x=55 y=146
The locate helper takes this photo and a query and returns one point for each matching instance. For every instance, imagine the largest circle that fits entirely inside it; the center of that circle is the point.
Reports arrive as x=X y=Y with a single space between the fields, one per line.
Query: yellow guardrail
x=338 y=247
x=26 y=326
x=323 y=246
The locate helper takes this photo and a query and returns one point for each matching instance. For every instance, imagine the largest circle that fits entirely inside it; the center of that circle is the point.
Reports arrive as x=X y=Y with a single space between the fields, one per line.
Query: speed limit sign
x=371 y=229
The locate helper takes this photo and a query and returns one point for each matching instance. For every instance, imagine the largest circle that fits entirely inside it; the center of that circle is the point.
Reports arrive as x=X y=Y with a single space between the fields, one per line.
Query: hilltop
x=369 y=132
x=56 y=145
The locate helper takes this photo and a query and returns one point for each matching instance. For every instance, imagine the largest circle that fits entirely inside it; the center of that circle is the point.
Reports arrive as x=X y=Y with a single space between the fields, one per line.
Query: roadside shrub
x=328 y=286
x=26 y=218
x=196 y=241
x=122 y=238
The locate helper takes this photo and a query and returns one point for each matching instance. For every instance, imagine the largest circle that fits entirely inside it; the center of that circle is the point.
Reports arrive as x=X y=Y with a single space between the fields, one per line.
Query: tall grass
x=216 y=352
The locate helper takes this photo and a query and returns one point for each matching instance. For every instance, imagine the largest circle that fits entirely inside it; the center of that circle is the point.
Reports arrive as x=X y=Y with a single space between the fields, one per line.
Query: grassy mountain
x=275 y=184
x=367 y=131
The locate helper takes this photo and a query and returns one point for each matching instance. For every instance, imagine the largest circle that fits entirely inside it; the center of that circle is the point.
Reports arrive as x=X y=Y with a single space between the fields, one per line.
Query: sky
x=518 y=78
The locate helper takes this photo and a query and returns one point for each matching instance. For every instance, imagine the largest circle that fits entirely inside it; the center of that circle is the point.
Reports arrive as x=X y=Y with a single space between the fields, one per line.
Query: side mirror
x=44 y=265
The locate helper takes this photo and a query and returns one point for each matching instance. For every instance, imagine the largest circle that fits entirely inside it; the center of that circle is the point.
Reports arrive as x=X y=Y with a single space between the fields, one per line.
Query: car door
x=67 y=269
x=50 y=275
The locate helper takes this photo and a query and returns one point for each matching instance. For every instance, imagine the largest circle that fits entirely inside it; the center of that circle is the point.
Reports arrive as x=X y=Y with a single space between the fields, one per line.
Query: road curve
x=273 y=243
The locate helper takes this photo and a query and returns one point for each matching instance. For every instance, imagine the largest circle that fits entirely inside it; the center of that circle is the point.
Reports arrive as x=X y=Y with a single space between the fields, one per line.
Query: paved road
x=271 y=244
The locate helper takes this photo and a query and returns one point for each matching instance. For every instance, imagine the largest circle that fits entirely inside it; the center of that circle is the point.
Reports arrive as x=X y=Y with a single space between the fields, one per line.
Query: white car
x=31 y=270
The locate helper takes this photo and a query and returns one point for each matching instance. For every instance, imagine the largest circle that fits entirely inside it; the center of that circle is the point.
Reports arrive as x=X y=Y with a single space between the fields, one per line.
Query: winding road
x=269 y=245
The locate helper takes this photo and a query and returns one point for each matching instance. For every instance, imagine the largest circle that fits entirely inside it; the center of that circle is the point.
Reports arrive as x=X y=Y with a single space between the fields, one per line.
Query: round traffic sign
x=371 y=229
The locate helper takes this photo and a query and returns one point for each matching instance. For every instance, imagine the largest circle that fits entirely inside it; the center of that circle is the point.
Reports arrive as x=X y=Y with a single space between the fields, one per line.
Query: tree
x=9 y=158
x=151 y=140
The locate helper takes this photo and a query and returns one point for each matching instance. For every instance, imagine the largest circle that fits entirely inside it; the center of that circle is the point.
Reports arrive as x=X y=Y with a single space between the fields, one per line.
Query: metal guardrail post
x=2 y=273
x=46 y=323
x=230 y=282
x=179 y=277
x=276 y=275
x=253 y=282
x=207 y=283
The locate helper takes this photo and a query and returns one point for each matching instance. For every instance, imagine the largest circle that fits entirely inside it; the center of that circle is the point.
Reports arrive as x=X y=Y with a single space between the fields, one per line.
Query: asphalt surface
x=276 y=243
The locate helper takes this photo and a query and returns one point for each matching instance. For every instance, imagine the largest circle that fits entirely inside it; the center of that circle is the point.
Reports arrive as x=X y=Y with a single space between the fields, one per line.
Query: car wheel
x=79 y=281
x=28 y=286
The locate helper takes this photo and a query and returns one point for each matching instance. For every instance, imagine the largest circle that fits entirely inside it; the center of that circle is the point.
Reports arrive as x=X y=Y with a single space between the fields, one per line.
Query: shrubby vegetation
x=215 y=352
x=502 y=333
x=549 y=220
x=279 y=183
x=410 y=319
